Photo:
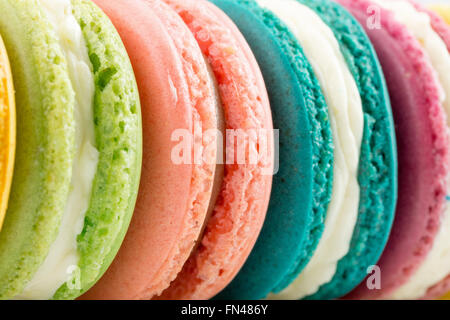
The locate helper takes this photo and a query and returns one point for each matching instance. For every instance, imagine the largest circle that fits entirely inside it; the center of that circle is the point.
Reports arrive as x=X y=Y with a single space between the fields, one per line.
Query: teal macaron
x=301 y=189
x=272 y=266
x=79 y=147
x=378 y=163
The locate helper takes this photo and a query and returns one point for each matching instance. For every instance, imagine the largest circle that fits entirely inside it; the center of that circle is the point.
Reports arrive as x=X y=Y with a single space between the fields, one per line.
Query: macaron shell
x=443 y=29
x=443 y=11
x=377 y=174
x=118 y=136
x=423 y=149
x=163 y=228
x=439 y=25
x=45 y=142
x=7 y=130
x=242 y=204
x=438 y=290
x=302 y=186
x=205 y=112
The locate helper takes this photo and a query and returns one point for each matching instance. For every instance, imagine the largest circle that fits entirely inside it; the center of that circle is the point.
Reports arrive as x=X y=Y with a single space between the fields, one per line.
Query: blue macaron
x=302 y=188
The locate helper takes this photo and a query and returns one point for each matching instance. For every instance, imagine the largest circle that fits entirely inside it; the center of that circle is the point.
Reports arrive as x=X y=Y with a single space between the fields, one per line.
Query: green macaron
x=78 y=148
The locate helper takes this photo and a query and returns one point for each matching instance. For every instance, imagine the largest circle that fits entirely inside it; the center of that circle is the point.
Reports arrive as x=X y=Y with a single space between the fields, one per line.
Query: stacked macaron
x=195 y=222
x=413 y=47
x=78 y=150
x=321 y=241
x=78 y=166
x=145 y=165
x=444 y=12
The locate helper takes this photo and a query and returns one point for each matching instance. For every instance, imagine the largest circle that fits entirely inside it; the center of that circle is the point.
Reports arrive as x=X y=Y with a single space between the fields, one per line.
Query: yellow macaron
x=446 y=297
x=443 y=10
x=7 y=130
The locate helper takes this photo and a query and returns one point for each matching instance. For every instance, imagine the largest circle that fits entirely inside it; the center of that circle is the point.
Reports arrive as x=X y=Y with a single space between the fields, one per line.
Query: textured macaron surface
x=118 y=136
x=205 y=105
x=423 y=151
x=176 y=94
x=241 y=207
x=378 y=161
x=302 y=187
x=7 y=130
x=440 y=22
x=45 y=143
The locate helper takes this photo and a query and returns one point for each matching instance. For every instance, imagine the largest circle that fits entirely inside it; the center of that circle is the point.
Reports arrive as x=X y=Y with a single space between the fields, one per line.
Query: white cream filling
x=346 y=115
x=437 y=263
x=61 y=263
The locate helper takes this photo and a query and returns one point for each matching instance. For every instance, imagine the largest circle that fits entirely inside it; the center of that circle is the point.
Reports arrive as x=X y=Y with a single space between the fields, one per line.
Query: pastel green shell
x=45 y=102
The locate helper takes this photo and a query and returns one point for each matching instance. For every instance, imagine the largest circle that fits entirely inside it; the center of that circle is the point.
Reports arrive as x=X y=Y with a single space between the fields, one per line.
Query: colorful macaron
x=78 y=150
x=413 y=49
x=7 y=130
x=195 y=223
x=443 y=11
x=346 y=181
x=224 y=149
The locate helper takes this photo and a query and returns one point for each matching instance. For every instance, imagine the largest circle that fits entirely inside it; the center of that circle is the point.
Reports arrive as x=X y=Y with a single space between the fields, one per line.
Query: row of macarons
x=101 y=99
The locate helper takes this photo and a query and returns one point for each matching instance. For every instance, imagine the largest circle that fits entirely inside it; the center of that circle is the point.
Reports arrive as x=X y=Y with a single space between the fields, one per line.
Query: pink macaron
x=195 y=223
x=423 y=146
x=443 y=30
